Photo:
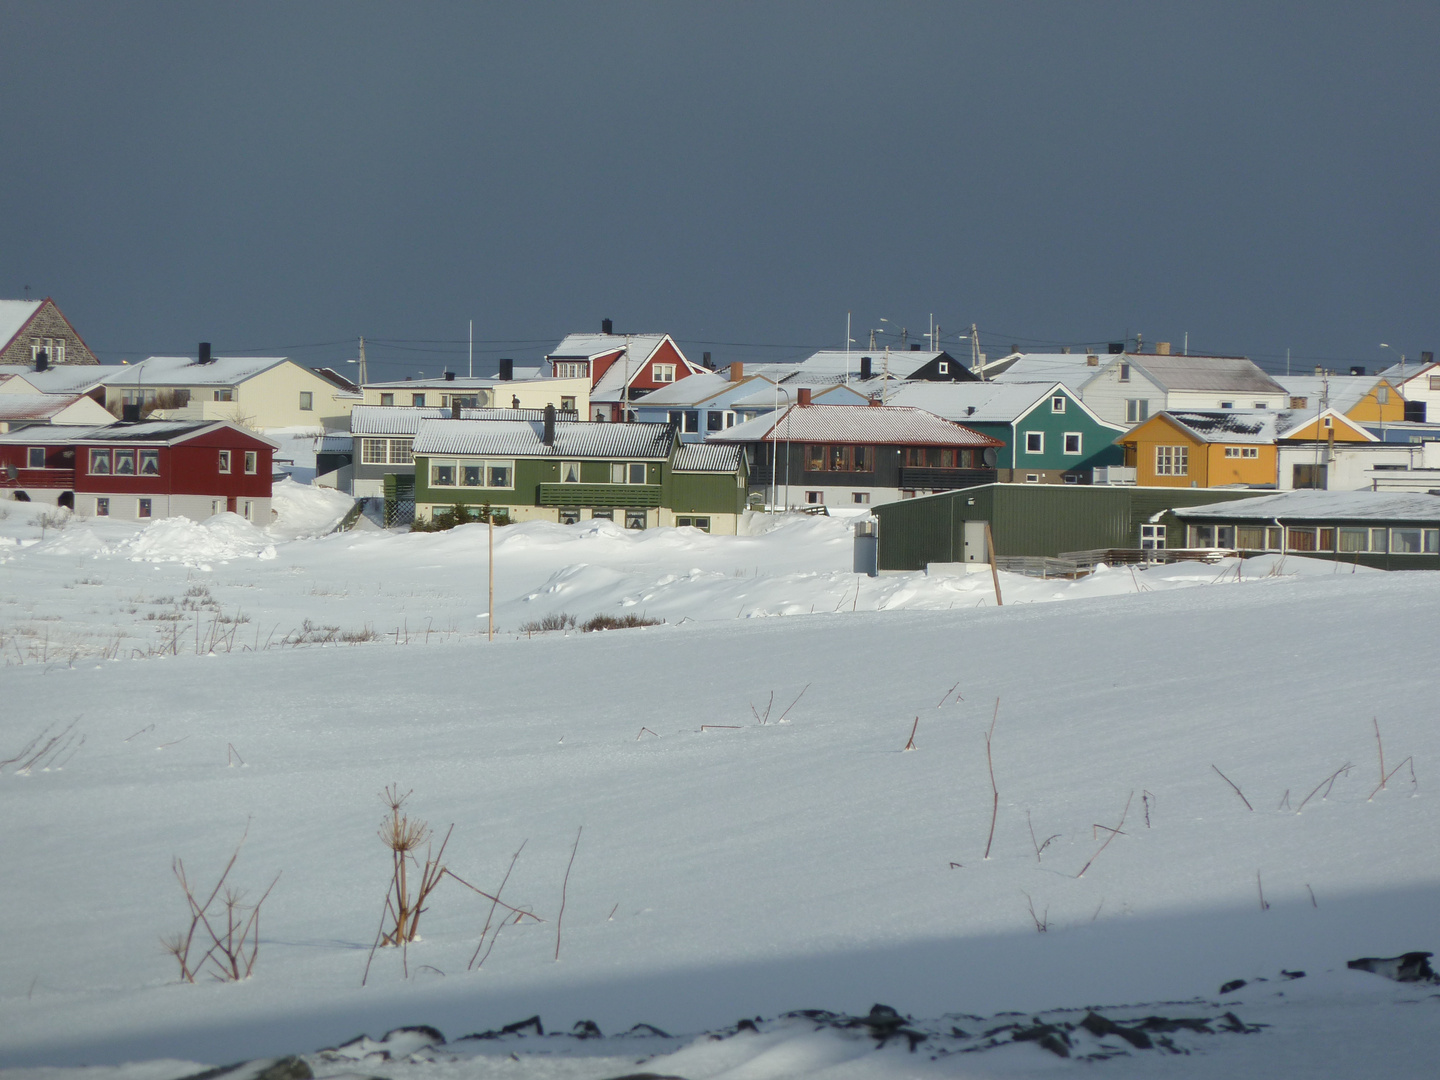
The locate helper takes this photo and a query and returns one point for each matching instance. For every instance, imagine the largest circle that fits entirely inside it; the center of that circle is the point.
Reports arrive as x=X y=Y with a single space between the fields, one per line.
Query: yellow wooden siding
x=1369 y=410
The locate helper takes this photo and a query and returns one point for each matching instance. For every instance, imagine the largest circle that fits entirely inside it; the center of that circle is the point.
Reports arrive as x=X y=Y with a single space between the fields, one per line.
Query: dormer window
x=664 y=373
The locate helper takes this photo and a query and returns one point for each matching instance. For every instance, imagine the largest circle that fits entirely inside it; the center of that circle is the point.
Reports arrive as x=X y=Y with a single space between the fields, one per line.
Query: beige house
x=567 y=395
x=262 y=393
x=20 y=410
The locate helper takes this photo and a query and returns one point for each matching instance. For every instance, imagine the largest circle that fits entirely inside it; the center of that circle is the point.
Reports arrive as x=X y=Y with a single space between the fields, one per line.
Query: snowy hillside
x=753 y=838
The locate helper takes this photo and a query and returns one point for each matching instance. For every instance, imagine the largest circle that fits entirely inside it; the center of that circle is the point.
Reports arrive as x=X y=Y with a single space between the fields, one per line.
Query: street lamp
x=774 y=442
x=1402 y=359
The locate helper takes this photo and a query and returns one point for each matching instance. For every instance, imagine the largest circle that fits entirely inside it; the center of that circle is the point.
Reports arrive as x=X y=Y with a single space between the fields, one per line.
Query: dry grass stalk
x=1327 y=784
x=1409 y=760
x=910 y=745
x=404 y=905
x=234 y=948
x=793 y=703
x=1236 y=789
x=563 y=887
x=1381 y=747
x=1112 y=834
x=1039 y=847
x=1042 y=922
x=1259 y=885
x=1147 y=799
x=994 y=791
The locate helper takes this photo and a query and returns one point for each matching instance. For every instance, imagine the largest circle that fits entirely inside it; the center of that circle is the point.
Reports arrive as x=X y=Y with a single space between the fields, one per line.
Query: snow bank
x=304 y=511
x=195 y=543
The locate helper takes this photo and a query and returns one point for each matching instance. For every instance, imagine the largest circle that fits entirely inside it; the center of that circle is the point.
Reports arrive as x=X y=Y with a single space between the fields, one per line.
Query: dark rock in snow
x=586 y=1029
x=1231 y=986
x=1100 y=1026
x=1407 y=967
x=285 y=1068
x=1292 y=974
x=647 y=1029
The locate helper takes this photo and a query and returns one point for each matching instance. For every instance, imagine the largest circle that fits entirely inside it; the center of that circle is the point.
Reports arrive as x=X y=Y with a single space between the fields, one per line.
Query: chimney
x=455 y=408
x=874 y=403
x=42 y=360
x=865 y=369
x=449 y=376
x=204 y=352
x=130 y=412
x=1427 y=357
x=706 y=361
x=914 y=346
x=1319 y=371
x=1115 y=348
x=607 y=327
x=1162 y=348
x=515 y=401
x=737 y=371
x=802 y=398
x=1091 y=360
x=507 y=370
x=549 y=437
x=1357 y=369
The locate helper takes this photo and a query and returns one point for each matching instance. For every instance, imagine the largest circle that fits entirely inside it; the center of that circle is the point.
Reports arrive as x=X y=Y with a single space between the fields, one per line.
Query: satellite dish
x=990 y=457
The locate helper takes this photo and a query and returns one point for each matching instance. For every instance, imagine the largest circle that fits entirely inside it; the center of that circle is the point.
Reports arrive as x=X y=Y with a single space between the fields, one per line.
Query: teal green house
x=636 y=475
x=1050 y=435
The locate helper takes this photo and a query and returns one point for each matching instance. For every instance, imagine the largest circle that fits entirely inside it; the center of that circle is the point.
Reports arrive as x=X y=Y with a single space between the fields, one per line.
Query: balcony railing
x=915 y=478
x=37 y=478
x=618 y=495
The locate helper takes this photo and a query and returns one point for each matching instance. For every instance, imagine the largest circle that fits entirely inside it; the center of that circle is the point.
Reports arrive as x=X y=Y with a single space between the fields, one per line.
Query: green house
x=1050 y=435
x=637 y=475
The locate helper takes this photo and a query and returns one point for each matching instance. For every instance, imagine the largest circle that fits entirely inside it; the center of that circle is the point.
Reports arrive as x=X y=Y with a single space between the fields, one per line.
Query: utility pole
x=472 y=348
x=363 y=379
x=975 y=351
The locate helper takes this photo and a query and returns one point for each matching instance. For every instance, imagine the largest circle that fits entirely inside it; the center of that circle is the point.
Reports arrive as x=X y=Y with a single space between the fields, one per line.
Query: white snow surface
x=755 y=838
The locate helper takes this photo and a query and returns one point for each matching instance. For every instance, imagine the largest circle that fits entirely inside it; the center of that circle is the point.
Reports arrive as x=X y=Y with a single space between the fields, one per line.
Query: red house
x=621 y=367
x=141 y=470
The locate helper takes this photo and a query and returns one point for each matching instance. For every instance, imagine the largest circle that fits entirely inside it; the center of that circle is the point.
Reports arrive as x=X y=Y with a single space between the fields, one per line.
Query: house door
x=230 y=503
x=975 y=542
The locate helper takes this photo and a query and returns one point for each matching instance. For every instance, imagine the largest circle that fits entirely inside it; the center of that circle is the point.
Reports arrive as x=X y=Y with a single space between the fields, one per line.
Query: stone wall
x=48 y=323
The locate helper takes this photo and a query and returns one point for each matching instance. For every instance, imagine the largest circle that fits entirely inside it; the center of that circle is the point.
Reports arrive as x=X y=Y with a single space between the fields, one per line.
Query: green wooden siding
x=706 y=493
x=625 y=495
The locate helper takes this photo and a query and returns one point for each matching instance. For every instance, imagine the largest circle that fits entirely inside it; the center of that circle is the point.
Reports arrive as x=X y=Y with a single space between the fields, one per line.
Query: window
x=714 y=421
x=1309 y=476
x=1072 y=442
x=124 y=462
x=1152 y=537
x=1250 y=537
x=936 y=457
x=1032 y=478
x=224 y=461
x=632 y=472
x=944 y=368
x=1262 y=405
x=1136 y=410
x=1124 y=372
x=1242 y=451
x=1405 y=541
x=1057 y=404
x=442 y=475
x=307 y=401
x=701 y=523
x=687 y=420
x=500 y=476
x=402 y=451
x=149 y=462
x=635 y=519
x=35 y=458
x=142 y=508
x=569 y=515
x=569 y=472
x=99 y=462
x=1202 y=536
x=226 y=394
x=838 y=459
x=1352 y=540
x=729 y=419
x=102 y=507
x=58 y=356
x=1034 y=442
x=472 y=476
x=1435 y=382
x=1227 y=404
x=664 y=373
x=387 y=399
x=567 y=404
x=372 y=452
x=814 y=458
x=637 y=472
x=815 y=498
x=861 y=498
x=217 y=506
x=249 y=510
x=252 y=462
x=1382 y=394
x=602 y=513
x=571 y=369
x=1172 y=461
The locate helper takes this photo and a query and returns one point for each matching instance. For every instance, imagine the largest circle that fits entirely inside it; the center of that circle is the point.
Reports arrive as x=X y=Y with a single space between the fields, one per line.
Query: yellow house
x=1203 y=449
x=1367 y=399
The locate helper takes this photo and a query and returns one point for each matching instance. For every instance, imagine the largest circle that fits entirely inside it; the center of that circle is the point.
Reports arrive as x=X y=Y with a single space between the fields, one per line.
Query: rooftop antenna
x=363 y=379
x=472 y=348
x=847 y=348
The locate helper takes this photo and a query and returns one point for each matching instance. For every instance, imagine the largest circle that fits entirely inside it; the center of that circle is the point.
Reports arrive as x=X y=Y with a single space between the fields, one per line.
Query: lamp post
x=774 y=444
x=1402 y=359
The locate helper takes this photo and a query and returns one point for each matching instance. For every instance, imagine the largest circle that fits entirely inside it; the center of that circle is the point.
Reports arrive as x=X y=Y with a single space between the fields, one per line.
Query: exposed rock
x=1407 y=967
x=1233 y=985
x=285 y=1068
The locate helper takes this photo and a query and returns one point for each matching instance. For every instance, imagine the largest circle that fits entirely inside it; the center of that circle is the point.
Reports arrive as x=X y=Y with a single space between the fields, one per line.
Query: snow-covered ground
x=752 y=837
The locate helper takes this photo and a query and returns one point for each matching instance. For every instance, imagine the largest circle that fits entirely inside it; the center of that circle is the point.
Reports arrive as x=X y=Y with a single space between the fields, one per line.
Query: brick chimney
x=803 y=397
x=737 y=371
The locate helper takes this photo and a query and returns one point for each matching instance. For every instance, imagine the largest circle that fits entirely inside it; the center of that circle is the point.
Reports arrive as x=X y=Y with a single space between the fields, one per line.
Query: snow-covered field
x=752 y=837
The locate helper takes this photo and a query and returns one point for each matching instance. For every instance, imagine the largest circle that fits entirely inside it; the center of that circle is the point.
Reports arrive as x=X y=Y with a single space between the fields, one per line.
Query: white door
x=975 y=542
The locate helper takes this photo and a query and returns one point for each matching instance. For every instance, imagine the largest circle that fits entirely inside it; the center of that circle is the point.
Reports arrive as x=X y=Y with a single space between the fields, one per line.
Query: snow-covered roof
x=900 y=364
x=1224 y=374
x=985 y=403
x=1310 y=505
x=884 y=424
x=525 y=438
x=708 y=458
x=183 y=371
x=1344 y=392
x=61 y=378
x=36 y=406
x=585 y=346
x=335 y=442
x=825 y=391
x=147 y=431
x=1412 y=369
x=460 y=382
x=1068 y=368
x=404 y=420
x=689 y=391
x=14 y=314
x=1233 y=425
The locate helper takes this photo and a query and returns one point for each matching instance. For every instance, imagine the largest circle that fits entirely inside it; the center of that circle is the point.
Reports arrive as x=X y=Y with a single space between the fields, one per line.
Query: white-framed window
x=1136 y=410
x=1382 y=395
x=1073 y=442
x=225 y=394
x=1415 y=541
x=248 y=510
x=627 y=472
x=99 y=462
x=701 y=523
x=663 y=373
x=217 y=506
x=944 y=368
x=307 y=401
x=635 y=519
x=572 y=369
x=149 y=462
x=402 y=451
x=1262 y=404
x=1435 y=382
x=860 y=497
x=224 y=461
x=1032 y=478
x=1242 y=451
x=372 y=452
x=499 y=476
x=1057 y=404
x=442 y=474
x=417 y=400
x=124 y=462
x=35 y=458
x=473 y=474
x=814 y=498
x=1172 y=461
x=1034 y=442
x=387 y=399
x=252 y=462
x=1152 y=537
x=1124 y=372
x=142 y=508
x=567 y=403
x=715 y=420
x=569 y=472
x=102 y=506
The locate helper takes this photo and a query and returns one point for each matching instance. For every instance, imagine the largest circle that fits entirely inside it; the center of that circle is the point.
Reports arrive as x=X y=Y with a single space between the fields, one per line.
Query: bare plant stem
x=1264 y=904
x=792 y=704
x=1408 y=761
x=564 y=886
x=1042 y=922
x=1327 y=783
x=994 y=791
x=1038 y=846
x=494 y=902
x=910 y=745
x=1113 y=833
x=1233 y=787
x=1381 y=747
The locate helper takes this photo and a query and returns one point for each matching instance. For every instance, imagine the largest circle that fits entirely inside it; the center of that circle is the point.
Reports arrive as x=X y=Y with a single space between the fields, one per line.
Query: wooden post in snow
x=490 y=625
x=994 y=572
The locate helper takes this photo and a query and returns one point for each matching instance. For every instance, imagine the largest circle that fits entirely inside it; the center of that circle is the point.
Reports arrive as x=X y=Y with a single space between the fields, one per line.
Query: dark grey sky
x=265 y=176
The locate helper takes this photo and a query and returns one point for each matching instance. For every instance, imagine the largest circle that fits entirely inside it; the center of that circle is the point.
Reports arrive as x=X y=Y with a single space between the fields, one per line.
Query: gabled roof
x=589 y=346
x=1343 y=391
x=1256 y=426
x=691 y=391
x=183 y=371
x=1295 y=421
x=839 y=393
x=708 y=458
x=1320 y=505
x=1222 y=374
x=330 y=375
x=62 y=378
x=404 y=420
x=1068 y=368
x=14 y=314
x=889 y=425
x=901 y=364
x=39 y=406
x=525 y=438
x=989 y=403
x=460 y=382
x=1413 y=369
x=147 y=431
